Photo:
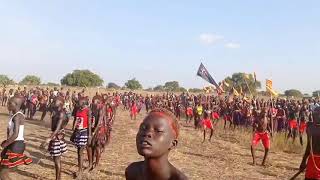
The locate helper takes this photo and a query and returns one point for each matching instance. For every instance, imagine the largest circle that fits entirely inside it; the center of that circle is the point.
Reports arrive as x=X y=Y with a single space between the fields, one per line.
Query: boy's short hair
x=173 y=120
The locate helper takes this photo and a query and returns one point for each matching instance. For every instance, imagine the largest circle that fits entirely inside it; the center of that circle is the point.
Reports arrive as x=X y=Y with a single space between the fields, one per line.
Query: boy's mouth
x=145 y=143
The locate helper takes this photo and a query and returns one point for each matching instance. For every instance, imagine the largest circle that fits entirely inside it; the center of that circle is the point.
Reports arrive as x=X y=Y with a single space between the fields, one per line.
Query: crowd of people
x=93 y=118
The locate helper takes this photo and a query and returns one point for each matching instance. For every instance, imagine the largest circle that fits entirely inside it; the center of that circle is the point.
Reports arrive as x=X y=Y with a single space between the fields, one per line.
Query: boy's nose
x=147 y=133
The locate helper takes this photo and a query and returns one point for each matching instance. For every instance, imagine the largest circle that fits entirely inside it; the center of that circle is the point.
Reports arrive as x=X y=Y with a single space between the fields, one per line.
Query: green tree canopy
x=195 y=90
x=5 y=80
x=240 y=80
x=316 y=93
x=52 y=84
x=149 y=89
x=293 y=92
x=172 y=86
x=133 y=84
x=182 y=89
x=82 y=78
x=112 y=85
x=30 y=80
x=158 y=88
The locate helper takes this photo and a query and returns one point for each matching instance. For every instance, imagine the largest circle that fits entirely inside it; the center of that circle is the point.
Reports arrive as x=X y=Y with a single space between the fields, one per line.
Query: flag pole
x=271 y=118
x=248 y=86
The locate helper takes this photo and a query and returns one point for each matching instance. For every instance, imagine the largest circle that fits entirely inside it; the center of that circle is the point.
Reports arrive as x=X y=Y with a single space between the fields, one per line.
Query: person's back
x=311 y=159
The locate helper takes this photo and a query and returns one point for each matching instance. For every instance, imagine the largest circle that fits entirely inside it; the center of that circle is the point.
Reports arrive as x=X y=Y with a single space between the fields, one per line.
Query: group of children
x=158 y=133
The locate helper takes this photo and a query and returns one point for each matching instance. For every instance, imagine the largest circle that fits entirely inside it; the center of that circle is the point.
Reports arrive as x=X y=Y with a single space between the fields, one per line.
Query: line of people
x=92 y=126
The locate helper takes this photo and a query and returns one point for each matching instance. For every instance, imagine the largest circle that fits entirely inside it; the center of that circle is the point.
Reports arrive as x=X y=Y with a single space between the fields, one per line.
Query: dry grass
x=279 y=143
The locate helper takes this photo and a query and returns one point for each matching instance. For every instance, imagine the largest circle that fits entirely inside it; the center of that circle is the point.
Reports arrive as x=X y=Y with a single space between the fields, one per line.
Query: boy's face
x=155 y=137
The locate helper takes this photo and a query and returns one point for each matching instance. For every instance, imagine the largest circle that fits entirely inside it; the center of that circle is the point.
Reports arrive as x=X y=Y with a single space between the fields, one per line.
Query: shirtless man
x=311 y=158
x=260 y=132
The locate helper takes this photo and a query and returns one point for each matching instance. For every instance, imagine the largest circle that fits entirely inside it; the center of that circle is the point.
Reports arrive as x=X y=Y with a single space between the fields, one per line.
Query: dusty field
x=224 y=158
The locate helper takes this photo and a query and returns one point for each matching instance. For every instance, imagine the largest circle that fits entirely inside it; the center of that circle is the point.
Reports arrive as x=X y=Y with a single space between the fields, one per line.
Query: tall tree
x=158 y=88
x=82 y=78
x=316 y=93
x=5 y=80
x=172 y=86
x=293 y=92
x=30 y=80
x=112 y=85
x=243 y=81
x=133 y=84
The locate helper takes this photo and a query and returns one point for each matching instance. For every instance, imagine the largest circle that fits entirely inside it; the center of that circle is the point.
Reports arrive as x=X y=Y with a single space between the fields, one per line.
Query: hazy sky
x=159 y=41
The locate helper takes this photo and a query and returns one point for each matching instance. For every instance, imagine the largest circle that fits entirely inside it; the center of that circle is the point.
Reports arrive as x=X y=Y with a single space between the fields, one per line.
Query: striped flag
x=204 y=74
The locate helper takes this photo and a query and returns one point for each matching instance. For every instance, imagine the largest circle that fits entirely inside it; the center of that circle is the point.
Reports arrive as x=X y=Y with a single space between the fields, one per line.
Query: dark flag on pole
x=203 y=72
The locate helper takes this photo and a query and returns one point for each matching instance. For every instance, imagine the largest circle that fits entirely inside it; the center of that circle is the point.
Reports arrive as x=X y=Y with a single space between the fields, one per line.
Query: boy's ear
x=174 y=144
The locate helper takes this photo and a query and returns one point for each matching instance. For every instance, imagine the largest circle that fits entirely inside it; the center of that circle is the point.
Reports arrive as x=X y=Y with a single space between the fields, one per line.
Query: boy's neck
x=157 y=167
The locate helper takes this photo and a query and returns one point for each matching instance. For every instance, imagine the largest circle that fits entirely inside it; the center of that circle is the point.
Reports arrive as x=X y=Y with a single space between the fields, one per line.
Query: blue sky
x=159 y=41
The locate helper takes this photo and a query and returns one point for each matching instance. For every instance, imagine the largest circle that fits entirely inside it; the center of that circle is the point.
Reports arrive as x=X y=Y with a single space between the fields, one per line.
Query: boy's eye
x=143 y=127
x=159 y=130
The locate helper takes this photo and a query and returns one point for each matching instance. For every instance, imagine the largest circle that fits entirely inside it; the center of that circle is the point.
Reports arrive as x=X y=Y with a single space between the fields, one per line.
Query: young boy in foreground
x=157 y=136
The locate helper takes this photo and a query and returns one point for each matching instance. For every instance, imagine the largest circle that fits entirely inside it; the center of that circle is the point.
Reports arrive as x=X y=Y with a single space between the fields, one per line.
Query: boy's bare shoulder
x=178 y=175
x=132 y=171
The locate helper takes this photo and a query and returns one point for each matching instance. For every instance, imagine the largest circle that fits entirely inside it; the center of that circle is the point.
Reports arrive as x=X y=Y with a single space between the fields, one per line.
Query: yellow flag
x=247 y=76
x=208 y=89
x=269 y=88
x=269 y=83
x=235 y=92
x=272 y=92
x=246 y=99
x=226 y=84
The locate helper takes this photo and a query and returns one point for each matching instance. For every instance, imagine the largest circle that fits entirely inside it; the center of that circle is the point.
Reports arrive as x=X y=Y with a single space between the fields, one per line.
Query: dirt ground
x=223 y=158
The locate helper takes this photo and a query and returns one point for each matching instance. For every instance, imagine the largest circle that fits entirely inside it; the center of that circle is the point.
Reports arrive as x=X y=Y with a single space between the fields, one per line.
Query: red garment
x=189 y=111
x=227 y=118
x=207 y=123
x=293 y=124
x=82 y=119
x=134 y=110
x=312 y=172
x=12 y=160
x=302 y=127
x=264 y=136
x=274 y=111
x=117 y=100
x=109 y=110
x=215 y=115
x=34 y=99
